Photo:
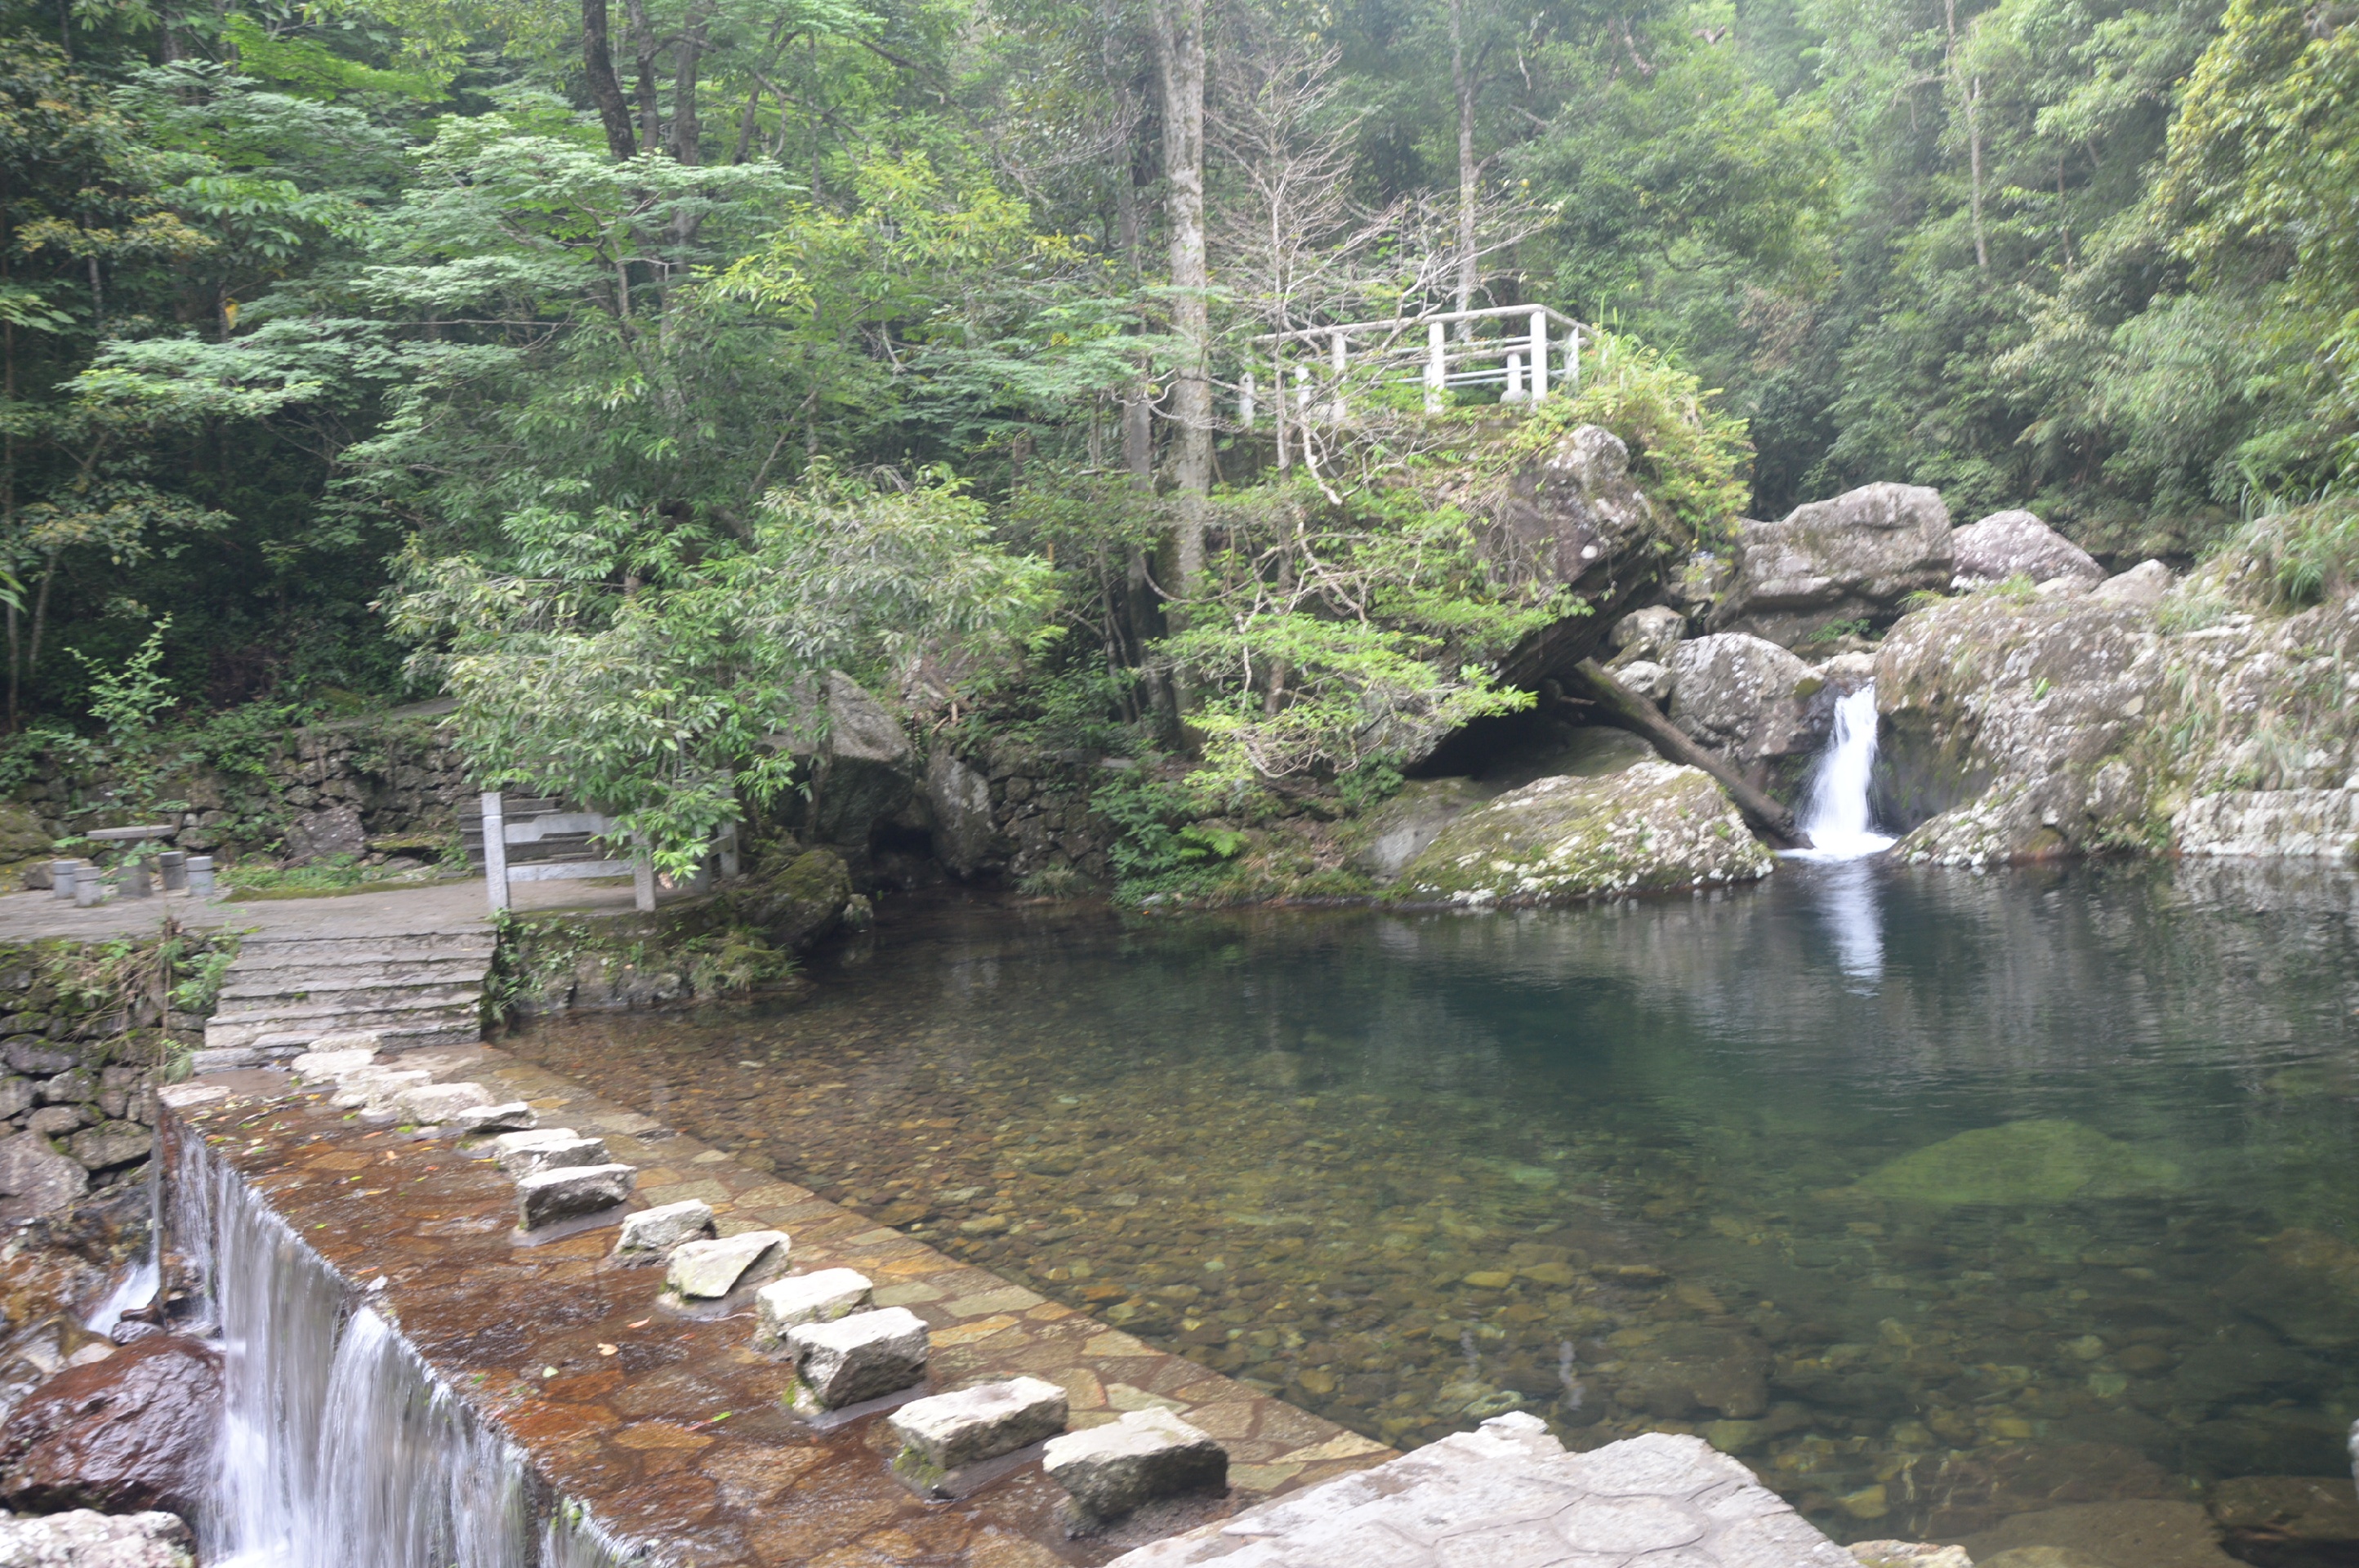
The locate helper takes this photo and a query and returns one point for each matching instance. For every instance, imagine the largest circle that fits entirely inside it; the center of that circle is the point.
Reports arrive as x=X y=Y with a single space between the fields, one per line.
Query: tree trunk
x=687 y=132
x=1180 y=61
x=1974 y=161
x=605 y=89
x=1461 y=81
x=1138 y=431
x=1626 y=709
x=643 y=45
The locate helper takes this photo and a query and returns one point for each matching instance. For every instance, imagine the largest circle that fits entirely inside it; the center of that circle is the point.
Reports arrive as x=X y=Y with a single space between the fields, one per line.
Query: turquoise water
x=1937 y=1197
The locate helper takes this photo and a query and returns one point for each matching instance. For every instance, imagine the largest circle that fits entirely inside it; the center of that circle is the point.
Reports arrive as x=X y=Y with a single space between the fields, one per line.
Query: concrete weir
x=405 y=1367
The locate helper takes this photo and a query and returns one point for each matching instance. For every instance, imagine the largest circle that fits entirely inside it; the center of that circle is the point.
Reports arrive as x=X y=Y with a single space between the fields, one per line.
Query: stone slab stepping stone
x=948 y=1432
x=373 y=1089
x=650 y=1235
x=864 y=1357
x=318 y=1066
x=819 y=1297
x=523 y=1154
x=707 y=1270
x=516 y=1116
x=546 y=1197
x=1145 y=1454
x=440 y=1102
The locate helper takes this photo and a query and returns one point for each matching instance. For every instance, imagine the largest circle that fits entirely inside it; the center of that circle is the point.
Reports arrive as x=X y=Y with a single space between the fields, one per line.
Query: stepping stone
x=650 y=1235
x=1145 y=1454
x=516 y=1116
x=373 y=1089
x=820 y=1297
x=547 y=1197
x=864 y=1357
x=706 y=1271
x=318 y=1066
x=523 y=1154
x=943 y=1433
x=440 y=1102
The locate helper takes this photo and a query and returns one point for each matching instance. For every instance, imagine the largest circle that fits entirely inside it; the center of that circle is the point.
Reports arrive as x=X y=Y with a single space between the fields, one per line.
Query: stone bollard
x=131 y=879
x=201 y=876
x=174 y=866
x=88 y=888
x=64 y=874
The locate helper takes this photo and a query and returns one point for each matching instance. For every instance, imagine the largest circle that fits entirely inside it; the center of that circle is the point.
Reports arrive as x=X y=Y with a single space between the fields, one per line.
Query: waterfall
x=1834 y=809
x=339 y=1444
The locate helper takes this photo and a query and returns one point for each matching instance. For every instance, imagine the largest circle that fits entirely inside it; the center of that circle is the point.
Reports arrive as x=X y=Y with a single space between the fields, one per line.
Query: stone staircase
x=285 y=992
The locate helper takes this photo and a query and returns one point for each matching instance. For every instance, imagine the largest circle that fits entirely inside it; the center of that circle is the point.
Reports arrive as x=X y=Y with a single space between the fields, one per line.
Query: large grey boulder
x=2017 y=544
x=1650 y=634
x=965 y=838
x=35 y=1179
x=1145 y=1454
x=2142 y=586
x=81 y=1539
x=1754 y=703
x=1575 y=519
x=1855 y=558
x=1650 y=827
x=1397 y=832
x=864 y=769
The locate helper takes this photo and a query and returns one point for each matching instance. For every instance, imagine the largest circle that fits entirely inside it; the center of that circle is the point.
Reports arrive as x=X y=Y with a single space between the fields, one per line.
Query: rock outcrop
x=1650 y=827
x=1855 y=557
x=1576 y=519
x=1754 y=703
x=2017 y=545
x=82 y=1538
x=132 y=1433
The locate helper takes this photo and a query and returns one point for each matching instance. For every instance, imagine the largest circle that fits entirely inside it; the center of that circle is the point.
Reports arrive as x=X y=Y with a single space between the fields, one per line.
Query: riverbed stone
x=1141 y=1455
x=83 y=1538
x=2040 y=1160
x=864 y=1357
x=1652 y=827
x=522 y=1154
x=705 y=1270
x=2145 y=1533
x=821 y=1296
x=440 y=1102
x=133 y=1432
x=650 y=1235
x=569 y=1192
x=947 y=1431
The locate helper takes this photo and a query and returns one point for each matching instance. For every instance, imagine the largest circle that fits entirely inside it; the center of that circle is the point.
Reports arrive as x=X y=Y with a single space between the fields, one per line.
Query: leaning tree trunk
x=1628 y=710
x=605 y=89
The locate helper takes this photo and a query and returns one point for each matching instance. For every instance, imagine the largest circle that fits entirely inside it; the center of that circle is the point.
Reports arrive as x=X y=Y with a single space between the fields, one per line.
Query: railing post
x=643 y=874
x=1573 y=361
x=496 y=851
x=728 y=850
x=1337 y=355
x=1514 y=391
x=1437 y=367
x=1246 y=400
x=1539 y=355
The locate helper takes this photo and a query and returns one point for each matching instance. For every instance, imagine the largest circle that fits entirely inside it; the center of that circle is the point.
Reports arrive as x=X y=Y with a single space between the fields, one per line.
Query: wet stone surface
x=672 y=1429
x=1936 y=1199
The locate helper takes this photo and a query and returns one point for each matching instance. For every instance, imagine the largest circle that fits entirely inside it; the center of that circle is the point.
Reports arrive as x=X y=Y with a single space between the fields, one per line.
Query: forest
x=619 y=370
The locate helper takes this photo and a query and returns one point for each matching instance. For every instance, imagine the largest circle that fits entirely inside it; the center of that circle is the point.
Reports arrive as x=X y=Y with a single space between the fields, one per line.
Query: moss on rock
x=2040 y=1162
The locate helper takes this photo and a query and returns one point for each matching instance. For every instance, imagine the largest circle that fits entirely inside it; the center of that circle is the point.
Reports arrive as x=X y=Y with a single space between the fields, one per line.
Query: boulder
x=333 y=830
x=2016 y=545
x=35 y=1179
x=1754 y=703
x=650 y=1235
x=948 y=1430
x=1144 y=1456
x=22 y=837
x=820 y=1297
x=1653 y=826
x=796 y=899
x=707 y=1270
x=1855 y=558
x=1396 y=832
x=570 y=1192
x=2040 y=1162
x=1650 y=634
x=965 y=836
x=864 y=1357
x=864 y=769
x=131 y=1433
x=1693 y=1366
x=1650 y=680
x=81 y=1539
x=2151 y=1534
x=2142 y=586
x=2287 y=1518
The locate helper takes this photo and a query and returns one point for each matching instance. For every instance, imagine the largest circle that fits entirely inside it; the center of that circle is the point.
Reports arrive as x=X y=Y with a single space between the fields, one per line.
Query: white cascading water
x=1835 y=807
x=339 y=1445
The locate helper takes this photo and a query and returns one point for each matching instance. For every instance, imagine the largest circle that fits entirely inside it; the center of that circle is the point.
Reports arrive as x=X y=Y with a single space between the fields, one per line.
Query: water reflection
x=1846 y=894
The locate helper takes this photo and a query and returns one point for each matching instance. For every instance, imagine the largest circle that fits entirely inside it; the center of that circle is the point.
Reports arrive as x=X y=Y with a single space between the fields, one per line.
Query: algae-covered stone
x=1652 y=827
x=2046 y=1161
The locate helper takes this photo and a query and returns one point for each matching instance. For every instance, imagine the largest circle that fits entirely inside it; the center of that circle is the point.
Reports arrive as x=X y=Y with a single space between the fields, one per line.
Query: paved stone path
x=452 y=906
x=1510 y=1496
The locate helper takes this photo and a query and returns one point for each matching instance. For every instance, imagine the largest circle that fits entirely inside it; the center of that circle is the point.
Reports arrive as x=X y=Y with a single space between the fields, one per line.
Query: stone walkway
x=1510 y=1496
x=452 y=906
x=669 y=1428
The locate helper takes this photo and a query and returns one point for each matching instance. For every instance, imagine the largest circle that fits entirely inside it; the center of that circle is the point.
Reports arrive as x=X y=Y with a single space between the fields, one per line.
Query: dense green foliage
x=624 y=375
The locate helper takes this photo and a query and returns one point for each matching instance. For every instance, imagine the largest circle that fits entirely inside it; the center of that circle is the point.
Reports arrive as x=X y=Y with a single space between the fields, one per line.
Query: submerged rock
x=2039 y=1161
x=2147 y=1533
x=82 y=1538
x=130 y=1433
x=1651 y=826
x=1855 y=557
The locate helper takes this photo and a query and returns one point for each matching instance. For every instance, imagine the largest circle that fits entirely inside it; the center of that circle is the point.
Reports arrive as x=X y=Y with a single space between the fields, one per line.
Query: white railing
x=573 y=836
x=1391 y=352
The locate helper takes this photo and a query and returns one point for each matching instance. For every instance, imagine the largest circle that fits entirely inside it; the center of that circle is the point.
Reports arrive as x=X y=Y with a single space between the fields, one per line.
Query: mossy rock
x=793 y=898
x=2041 y=1162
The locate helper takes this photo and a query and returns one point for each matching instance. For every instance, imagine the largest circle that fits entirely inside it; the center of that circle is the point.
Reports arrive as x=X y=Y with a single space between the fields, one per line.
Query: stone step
x=240 y=986
x=280 y=951
x=404 y=1034
x=389 y=999
x=438 y=1017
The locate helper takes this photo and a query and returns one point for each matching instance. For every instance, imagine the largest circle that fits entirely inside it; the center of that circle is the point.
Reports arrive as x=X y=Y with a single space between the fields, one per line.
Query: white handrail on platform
x=1517 y=365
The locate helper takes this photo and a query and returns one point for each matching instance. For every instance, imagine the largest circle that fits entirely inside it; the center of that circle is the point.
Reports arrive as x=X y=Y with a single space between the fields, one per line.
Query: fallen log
x=1621 y=705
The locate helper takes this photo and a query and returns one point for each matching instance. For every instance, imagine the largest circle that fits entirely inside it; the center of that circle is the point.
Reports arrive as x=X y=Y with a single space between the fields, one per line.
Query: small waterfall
x=142 y=1280
x=1834 y=809
x=339 y=1445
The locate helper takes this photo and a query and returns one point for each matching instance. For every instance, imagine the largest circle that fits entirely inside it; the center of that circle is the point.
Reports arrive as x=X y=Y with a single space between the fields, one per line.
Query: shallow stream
x=1935 y=1196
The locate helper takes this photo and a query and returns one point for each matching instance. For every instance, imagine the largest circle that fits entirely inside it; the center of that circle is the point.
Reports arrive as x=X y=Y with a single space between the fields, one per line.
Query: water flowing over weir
x=339 y=1445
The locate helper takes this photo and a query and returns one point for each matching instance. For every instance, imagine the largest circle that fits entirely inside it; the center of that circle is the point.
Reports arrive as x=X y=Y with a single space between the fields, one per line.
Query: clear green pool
x=1937 y=1197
